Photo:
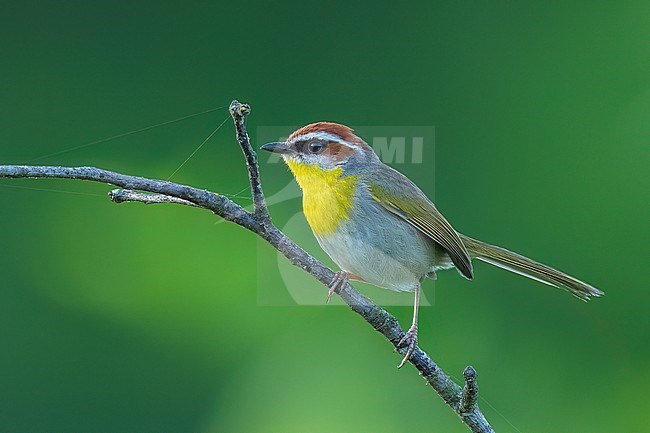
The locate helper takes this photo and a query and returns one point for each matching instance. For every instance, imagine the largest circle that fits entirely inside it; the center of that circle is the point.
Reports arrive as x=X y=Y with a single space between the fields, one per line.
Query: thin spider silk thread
x=52 y=190
x=61 y=191
x=198 y=148
x=124 y=134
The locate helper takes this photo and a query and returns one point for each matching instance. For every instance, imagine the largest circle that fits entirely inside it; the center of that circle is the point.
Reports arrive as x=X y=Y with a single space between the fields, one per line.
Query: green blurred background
x=125 y=318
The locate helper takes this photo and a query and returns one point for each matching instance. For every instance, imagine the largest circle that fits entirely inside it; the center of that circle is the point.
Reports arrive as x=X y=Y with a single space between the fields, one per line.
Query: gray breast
x=379 y=247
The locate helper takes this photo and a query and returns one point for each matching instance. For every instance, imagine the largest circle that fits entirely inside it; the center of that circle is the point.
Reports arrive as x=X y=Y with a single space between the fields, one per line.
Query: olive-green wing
x=397 y=194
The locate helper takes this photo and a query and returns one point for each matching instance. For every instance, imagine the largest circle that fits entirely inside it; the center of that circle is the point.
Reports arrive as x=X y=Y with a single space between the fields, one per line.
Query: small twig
x=124 y=195
x=469 y=396
x=239 y=111
x=258 y=222
x=216 y=203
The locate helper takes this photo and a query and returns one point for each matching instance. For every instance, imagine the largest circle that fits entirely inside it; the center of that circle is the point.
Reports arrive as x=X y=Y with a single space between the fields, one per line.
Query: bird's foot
x=338 y=282
x=410 y=341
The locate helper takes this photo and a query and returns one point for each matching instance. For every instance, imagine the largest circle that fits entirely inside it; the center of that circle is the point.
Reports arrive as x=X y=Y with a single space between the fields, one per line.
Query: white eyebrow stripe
x=323 y=136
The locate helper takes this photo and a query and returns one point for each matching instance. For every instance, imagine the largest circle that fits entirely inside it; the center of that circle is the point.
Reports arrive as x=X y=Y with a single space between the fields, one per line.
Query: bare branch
x=216 y=203
x=239 y=111
x=469 y=396
x=141 y=189
x=124 y=195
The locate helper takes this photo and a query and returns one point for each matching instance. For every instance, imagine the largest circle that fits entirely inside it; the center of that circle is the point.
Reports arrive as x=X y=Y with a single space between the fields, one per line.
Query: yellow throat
x=326 y=195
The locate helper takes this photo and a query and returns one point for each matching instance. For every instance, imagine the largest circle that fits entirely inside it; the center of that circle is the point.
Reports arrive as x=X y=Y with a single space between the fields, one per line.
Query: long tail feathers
x=529 y=268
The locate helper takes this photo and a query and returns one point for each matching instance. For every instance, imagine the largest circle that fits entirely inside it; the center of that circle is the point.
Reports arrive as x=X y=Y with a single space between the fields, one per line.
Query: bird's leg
x=410 y=339
x=338 y=282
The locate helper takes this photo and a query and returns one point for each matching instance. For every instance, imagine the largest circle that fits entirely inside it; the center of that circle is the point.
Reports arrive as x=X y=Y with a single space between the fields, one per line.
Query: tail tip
x=589 y=292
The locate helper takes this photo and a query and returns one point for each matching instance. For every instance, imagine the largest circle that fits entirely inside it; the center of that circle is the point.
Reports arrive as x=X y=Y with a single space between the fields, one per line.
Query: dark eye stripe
x=299 y=145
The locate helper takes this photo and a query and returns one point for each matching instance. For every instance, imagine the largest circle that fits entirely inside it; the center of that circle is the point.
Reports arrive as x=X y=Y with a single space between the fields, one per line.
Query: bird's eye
x=316 y=147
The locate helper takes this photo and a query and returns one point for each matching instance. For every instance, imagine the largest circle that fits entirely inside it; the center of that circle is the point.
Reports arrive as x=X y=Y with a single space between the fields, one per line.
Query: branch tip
x=469 y=394
x=237 y=109
x=114 y=195
x=470 y=374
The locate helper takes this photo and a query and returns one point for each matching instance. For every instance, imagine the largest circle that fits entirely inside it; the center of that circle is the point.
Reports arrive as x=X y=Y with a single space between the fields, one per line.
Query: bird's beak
x=277 y=147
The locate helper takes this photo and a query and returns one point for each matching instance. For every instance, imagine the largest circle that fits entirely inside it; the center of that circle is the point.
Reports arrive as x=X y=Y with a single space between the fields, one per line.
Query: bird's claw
x=338 y=282
x=410 y=341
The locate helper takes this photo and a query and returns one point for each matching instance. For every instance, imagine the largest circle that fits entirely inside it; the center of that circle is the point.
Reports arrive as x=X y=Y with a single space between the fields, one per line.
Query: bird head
x=325 y=146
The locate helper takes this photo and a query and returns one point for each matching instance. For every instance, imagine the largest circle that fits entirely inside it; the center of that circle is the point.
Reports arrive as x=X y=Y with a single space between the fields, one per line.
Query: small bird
x=380 y=228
